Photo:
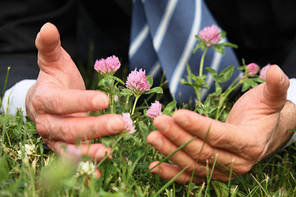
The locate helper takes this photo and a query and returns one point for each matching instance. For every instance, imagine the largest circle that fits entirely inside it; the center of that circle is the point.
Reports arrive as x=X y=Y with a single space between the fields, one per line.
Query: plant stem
x=126 y=102
x=112 y=111
x=4 y=86
x=135 y=103
x=202 y=62
x=224 y=96
x=112 y=107
x=113 y=148
x=197 y=93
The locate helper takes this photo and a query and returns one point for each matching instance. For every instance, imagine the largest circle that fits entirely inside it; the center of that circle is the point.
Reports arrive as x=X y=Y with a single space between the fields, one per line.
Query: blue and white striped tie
x=163 y=37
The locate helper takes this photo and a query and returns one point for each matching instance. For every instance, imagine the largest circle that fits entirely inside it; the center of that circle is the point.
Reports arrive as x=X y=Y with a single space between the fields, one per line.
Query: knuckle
x=65 y=132
x=255 y=149
x=257 y=152
x=258 y=147
x=200 y=154
x=223 y=178
x=37 y=102
x=192 y=168
x=203 y=155
x=53 y=103
x=56 y=105
x=199 y=170
x=218 y=140
x=40 y=61
x=183 y=179
x=175 y=136
x=42 y=126
x=243 y=169
x=43 y=100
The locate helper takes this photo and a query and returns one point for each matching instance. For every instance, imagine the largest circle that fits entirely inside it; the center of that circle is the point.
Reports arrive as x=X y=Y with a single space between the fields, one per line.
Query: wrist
x=287 y=122
x=288 y=117
x=291 y=96
x=28 y=103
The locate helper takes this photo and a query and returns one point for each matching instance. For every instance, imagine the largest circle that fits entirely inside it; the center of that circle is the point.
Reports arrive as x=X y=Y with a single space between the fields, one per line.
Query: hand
x=256 y=127
x=59 y=104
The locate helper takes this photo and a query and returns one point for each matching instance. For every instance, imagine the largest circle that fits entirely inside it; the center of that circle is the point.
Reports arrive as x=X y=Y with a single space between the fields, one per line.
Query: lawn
x=29 y=168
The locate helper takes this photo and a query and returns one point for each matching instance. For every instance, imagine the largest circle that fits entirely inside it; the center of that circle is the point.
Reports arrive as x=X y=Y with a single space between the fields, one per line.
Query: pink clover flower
x=252 y=69
x=137 y=81
x=154 y=110
x=108 y=65
x=128 y=123
x=210 y=35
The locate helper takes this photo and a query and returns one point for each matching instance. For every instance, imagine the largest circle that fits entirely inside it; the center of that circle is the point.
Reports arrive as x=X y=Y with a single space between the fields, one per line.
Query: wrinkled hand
x=59 y=104
x=256 y=127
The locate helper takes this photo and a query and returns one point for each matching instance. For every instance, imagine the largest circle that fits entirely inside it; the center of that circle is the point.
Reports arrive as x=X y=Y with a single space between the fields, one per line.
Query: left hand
x=58 y=103
x=256 y=127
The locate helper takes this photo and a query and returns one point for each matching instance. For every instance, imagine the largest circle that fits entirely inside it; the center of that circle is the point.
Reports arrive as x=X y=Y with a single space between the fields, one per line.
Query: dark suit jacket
x=265 y=30
x=89 y=30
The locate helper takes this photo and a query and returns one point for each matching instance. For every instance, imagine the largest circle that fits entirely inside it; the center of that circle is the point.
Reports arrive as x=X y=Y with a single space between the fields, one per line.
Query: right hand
x=59 y=103
x=258 y=125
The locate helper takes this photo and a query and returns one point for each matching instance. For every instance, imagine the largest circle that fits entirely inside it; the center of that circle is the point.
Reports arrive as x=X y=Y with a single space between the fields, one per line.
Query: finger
x=61 y=101
x=48 y=44
x=72 y=129
x=165 y=147
x=54 y=61
x=218 y=134
x=168 y=172
x=276 y=86
x=198 y=149
x=96 y=152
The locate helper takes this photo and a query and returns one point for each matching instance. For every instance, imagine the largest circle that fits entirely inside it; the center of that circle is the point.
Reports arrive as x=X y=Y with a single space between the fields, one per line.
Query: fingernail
x=115 y=124
x=101 y=101
x=100 y=154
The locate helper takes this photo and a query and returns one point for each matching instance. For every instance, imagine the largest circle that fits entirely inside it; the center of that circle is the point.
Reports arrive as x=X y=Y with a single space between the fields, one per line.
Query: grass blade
x=170 y=155
x=169 y=183
x=4 y=86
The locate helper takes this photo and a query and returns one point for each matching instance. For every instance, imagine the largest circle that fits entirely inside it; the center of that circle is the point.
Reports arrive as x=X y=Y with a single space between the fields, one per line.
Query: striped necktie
x=162 y=40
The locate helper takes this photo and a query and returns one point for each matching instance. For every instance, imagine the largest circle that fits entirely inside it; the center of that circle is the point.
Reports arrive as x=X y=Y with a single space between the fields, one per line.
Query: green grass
x=42 y=173
x=29 y=168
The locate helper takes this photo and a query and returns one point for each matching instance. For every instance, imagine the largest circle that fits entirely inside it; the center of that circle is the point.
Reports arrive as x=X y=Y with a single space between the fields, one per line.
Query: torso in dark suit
x=264 y=30
x=100 y=28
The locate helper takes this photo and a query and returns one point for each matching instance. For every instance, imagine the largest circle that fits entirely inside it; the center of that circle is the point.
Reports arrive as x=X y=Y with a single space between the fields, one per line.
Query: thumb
x=48 y=44
x=276 y=86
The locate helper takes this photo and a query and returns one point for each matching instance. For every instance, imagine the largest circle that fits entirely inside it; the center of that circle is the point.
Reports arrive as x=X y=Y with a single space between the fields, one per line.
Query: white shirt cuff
x=291 y=96
x=15 y=97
